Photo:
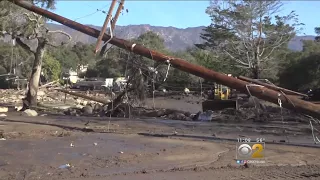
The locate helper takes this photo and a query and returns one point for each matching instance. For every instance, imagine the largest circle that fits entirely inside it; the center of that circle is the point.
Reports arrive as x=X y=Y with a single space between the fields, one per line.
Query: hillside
x=175 y=39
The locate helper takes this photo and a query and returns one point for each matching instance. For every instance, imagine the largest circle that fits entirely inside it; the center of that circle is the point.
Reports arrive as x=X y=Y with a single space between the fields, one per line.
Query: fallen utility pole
x=105 y=25
x=242 y=86
x=273 y=87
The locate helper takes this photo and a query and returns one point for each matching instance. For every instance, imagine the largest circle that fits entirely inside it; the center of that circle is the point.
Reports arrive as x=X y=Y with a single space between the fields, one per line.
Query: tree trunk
x=256 y=65
x=255 y=73
x=31 y=96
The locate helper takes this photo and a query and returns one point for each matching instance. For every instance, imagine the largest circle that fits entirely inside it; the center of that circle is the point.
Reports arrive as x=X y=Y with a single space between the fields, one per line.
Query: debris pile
x=264 y=112
x=88 y=110
x=11 y=96
x=45 y=95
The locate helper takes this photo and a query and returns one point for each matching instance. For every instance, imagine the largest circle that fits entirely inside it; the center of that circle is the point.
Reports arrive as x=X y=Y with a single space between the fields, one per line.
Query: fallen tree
x=243 y=86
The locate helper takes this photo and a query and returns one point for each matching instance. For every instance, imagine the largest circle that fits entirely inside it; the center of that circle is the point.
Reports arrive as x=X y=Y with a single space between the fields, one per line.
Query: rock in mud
x=105 y=108
x=203 y=116
x=18 y=108
x=97 y=108
x=29 y=112
x=70 y=112
x=84 y=103
x=177 y=116
x=41 y=93
x=87 y=110
x=78 y=106
x=3 y=109
x=187 y=114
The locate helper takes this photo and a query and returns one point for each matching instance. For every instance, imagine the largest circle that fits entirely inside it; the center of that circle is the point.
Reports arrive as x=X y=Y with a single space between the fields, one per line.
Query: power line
x=98 y=10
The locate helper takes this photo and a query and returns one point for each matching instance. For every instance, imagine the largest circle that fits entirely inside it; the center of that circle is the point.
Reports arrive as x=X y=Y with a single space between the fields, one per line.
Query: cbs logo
x=256 y=151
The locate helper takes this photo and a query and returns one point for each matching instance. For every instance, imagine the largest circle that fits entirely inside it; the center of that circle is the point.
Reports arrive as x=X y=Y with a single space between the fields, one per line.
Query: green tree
x=113 y=64
x=15 y=60
x=302 y=70
x=248 y=33
x=119 y=62
x=84 y=53
x=66 y=57
x=303 y=74
x=51 y=68
x=24 y=26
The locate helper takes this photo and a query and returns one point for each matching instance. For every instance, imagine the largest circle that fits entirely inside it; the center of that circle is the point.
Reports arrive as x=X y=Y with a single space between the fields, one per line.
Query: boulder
x=97 y=107
x=87 y=110
x=29 y=112
x=3 y=109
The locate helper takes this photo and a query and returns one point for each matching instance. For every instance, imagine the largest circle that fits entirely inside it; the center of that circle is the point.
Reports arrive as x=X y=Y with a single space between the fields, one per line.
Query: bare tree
x=249 y=32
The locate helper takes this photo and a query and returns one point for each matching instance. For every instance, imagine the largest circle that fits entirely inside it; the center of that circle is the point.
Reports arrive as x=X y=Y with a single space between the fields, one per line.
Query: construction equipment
x=221 y=92
x=221 y=99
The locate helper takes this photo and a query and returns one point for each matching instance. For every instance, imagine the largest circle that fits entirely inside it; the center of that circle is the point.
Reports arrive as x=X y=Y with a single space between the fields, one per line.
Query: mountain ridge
x=175 y=39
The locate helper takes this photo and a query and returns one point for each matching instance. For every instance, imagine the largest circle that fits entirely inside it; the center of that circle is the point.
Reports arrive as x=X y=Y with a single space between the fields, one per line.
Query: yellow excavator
x=221 y=98
x=222 y=92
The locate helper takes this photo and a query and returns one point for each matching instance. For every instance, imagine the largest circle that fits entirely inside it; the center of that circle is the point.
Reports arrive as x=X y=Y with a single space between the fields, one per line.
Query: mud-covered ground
x=151 y=148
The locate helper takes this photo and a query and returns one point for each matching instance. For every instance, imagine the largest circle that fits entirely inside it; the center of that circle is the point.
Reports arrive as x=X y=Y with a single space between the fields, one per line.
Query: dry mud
x=150 y=148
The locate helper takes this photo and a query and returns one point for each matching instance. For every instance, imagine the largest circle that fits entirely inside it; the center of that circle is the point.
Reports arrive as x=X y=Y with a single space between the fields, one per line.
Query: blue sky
x=180 y=14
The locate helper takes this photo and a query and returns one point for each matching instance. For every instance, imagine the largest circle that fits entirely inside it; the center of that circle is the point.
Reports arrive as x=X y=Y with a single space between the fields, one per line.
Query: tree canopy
x=247 y=34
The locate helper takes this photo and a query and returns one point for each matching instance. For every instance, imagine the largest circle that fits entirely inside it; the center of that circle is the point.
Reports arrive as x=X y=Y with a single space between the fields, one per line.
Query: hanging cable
x=316 y=121
x=153 y=81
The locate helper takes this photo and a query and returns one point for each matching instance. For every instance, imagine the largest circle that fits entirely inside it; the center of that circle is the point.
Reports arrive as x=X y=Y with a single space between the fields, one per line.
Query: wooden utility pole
x=183 y=65
x=115 y=19
x=105 y=25
x=113 y=25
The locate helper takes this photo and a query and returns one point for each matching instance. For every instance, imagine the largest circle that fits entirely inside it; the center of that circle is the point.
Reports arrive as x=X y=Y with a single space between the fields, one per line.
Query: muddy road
x=99 y=148
x=35 y=148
